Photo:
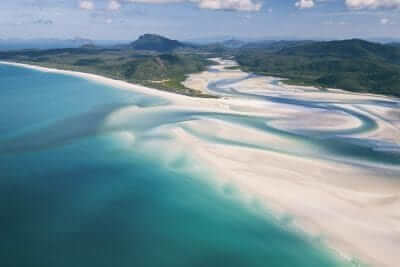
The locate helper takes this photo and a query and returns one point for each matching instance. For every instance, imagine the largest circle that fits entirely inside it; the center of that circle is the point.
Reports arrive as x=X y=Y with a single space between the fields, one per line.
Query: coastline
x=353 y=209
x=100 y=79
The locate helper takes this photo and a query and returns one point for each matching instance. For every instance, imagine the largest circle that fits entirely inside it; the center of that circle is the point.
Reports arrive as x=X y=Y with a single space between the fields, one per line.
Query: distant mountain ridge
x=50 y=43
x=233 y=43
x=394 y=44
x=276 y=45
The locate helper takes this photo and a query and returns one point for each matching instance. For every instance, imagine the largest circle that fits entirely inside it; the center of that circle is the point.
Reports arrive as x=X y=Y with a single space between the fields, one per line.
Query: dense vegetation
x=156 y=70
x=159 y=62
x=155 y=42
x=274 y=46
x=354 y=65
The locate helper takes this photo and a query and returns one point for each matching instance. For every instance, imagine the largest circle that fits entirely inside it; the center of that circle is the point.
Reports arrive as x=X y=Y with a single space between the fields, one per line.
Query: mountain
x=233 y=43
x=276 y=45
x=354 y=65
x=209 y=40
x=89 y=46
x=394 y=44
x=383 y=40
x=346 y=49
x=153 y=42
x=20 y=44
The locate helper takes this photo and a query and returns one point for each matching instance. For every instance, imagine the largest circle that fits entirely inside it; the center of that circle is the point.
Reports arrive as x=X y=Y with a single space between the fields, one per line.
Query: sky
x=200 y=19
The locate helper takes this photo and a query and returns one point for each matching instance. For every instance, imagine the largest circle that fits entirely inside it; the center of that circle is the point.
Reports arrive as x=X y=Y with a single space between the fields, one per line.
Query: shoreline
x=98 y=78
x=329 y=200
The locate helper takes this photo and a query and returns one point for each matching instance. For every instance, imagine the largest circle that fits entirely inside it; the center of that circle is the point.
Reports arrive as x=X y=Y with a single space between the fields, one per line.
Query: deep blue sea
x=71 y=196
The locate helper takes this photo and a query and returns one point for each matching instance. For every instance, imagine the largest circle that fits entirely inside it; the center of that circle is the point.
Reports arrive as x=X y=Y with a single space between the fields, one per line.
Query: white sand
x=354 y=208
x=100 y=79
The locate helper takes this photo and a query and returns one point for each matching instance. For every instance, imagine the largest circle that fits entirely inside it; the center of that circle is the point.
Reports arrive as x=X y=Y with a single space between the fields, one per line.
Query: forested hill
x=157 y=61
x=164 y=71
x=355 y=65
x=153 y=42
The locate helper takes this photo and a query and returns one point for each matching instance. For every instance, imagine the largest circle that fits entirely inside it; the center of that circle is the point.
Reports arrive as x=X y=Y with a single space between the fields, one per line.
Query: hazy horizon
x=194 y=19
x=205 y=39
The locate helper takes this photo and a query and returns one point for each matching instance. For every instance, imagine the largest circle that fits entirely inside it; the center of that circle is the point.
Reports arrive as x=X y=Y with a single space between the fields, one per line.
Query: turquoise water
x=330 y=144
x=72 y=195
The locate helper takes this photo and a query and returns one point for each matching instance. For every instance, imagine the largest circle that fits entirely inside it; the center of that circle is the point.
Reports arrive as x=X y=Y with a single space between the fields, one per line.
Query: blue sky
x=192 y=19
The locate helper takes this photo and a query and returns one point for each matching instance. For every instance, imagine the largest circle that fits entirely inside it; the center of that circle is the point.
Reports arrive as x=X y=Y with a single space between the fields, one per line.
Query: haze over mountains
x=51 y=43
x=169 y=44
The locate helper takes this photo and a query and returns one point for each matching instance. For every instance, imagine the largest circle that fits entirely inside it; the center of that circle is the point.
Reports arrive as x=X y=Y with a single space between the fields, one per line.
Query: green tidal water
x=87 y=200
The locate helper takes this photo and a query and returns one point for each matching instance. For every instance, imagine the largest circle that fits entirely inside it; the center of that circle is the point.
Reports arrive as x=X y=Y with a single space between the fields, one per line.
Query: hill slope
x=346 y=49
x=354 y=65
x=153 y=42
x=162 y=71
x=274 y=46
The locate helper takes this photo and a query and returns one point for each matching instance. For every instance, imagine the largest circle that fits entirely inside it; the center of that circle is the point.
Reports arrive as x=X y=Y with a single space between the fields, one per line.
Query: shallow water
x=332 y=144
x=72 y=193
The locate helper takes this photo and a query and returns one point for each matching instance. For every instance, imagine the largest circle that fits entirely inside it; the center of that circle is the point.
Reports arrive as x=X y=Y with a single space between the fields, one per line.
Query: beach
x=328 y=160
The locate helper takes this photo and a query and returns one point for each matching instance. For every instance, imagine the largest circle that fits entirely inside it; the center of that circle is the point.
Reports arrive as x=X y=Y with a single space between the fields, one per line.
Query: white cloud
x=384 y=21
x=154 y=1
x=373 y=4
x=305 y=4
x=114 y=5
x=331 y=22
x=239 y=5
x=236 y=5
x=88 y=5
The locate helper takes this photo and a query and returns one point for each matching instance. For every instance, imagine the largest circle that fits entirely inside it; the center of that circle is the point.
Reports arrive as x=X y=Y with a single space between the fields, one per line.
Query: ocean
x=73 y=194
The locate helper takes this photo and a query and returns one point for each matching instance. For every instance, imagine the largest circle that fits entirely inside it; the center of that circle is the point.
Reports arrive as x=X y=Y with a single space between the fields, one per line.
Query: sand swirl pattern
x=326 y=159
